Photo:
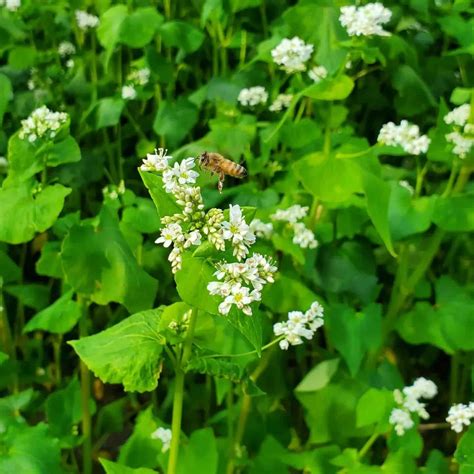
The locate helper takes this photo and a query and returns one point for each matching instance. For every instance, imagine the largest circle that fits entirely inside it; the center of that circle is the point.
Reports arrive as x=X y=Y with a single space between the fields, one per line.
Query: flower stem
x=85 y=397
x=368 y=444
x=179 y=393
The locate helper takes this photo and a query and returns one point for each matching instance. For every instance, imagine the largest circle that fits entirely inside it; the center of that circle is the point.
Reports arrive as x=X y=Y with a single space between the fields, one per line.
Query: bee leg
x=220 y=183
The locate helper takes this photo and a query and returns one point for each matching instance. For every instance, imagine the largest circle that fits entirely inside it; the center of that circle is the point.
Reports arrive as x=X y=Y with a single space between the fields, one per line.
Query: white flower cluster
x=283 y=101
x=318 y=73
x=303 y=236
x=366 y=20
x=462 y=136
x=86 y=20
x=66 y=48
x=299 y=325
x=292 y=54
x=408 y=401
x=460 y=415
x=261 y=229
x=42 y=123
x=240 y=283
x=164 y=435
x=12 y=5
x=253 y=96
x=405 y=135
x=136 y=78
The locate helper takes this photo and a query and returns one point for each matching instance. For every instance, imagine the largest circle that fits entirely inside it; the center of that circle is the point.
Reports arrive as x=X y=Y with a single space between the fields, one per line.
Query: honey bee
x=217 y=164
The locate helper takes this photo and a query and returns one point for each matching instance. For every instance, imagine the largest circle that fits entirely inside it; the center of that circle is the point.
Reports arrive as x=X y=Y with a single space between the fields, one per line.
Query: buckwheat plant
x=366 y=20
x=462 y=134
x=406 y=136
x=42 y=124
x=460 y=416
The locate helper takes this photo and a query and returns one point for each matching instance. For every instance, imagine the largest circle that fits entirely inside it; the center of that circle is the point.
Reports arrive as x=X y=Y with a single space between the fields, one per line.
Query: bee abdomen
x=237 y=171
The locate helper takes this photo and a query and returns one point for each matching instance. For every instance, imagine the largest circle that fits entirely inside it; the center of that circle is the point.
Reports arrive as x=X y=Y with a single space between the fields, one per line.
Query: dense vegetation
x=315 y=316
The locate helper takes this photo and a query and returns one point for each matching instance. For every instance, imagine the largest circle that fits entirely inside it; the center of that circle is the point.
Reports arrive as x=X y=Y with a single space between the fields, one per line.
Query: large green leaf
x=464 y=454
x=319 y=376
x=182 y=35
x=200 y=454
x=128 y=353
x=6 y=94
x=24 y=212
x=108 y=111
x=109 y=29
x=330 y=89
x=139 y=28
x=98 y=262
x=58 y=318
x=30 y=450
x=455 y=214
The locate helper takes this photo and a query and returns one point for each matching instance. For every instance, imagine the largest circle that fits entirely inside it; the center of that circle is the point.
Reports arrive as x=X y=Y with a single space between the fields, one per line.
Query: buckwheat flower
x=70 y=63
x=299 y=326
x=170 y=234
x=238 y=232
x=66 y=48
x=164 y=435
x=292 y=54
x=180 y=174
x=421 y=388
x=405 y=135
x=11 y=5
x=175 y=259
x=86 y=20
x=213 y=228
x=261 y=229
x=157 y=161
x=462 y=144
x=139 y=77
x=42 y=123
x=129 y=93
x=405 y=184
x=291 y=214
x=241 y=297
x=282 y=101
x=401 y=421
x=318 y=73
x=304 y=237
x=460 y=415
x=366 y=20
x=252 y=96
x=459 y=115
x=193 y=238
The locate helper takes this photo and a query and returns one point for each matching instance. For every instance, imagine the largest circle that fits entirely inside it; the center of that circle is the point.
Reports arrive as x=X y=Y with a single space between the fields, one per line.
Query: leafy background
x=394 y=271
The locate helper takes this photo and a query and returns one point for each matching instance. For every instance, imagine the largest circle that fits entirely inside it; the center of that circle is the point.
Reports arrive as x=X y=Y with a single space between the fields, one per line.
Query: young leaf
x=115 y=468
x=128 y=353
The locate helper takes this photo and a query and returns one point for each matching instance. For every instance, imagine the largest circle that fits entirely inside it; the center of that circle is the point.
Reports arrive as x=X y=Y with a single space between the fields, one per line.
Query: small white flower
x=129 y=92
x=291 y=215
x=175 y=259
x=459 y=115
x=70 y=63
x=42 y=123
x=66 y=48
x=253 y=96
x=462 y=144
x=261 y=229
x=238 y=232
x=292 y=54
x=366 y=20
x=401 y=420
x=405 y=135
x=460 y=415
x=164 y=435
x=11 y=5
x=180 y=175
x=157 y=161
x=424 y=388
x=318 y=73
x=283 y=101
x=405 y=184
x=193 y=238
x=170 y=234
x=86 y=20
x=139 y=77
x=304 y=237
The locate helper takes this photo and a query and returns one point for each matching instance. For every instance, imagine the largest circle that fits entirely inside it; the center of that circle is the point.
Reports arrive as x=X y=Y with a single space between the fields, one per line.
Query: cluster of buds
x=252 y=96
x=366 y=20
x=460 y=415
x=181 y=326
x=136 y=79
x=164 y=435
x=282 y=101
x=405 y=135
x=86 y=21
x=299 y=326
x=292 y=54
x=42 y=123
x=408 y=401
x=462 y=136
x=241 y=283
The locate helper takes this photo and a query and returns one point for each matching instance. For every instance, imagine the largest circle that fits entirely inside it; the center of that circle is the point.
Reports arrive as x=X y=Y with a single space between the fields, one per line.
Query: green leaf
x=174 y=120
x=200 y=454
x=354 y=333
x=128 y=353
x=22 y=159
x=49 y=263
x=22 y=57
x=115 y=468
x=6 y=95
x=109 y=29
x=30 y=450
x=374 y=407
x=455 y=214
x=287 y=294
x=9 y=270
x=464 y=454
x=330 y=89
x=319 y=376
x=142 y=217
x=139 y=28
x=65 y=151
x=217 y=368
x=98 y=262
x=108 y=111
x=23 y=212
x=182 y=35
x=58 y=318
x=33 y=295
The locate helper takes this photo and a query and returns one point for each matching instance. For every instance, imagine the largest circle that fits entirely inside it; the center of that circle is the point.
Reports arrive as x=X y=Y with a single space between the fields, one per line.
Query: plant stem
x=57 y=341
x=368 y=444
x=85 y=397
x=179 y=393
x=6 y=340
